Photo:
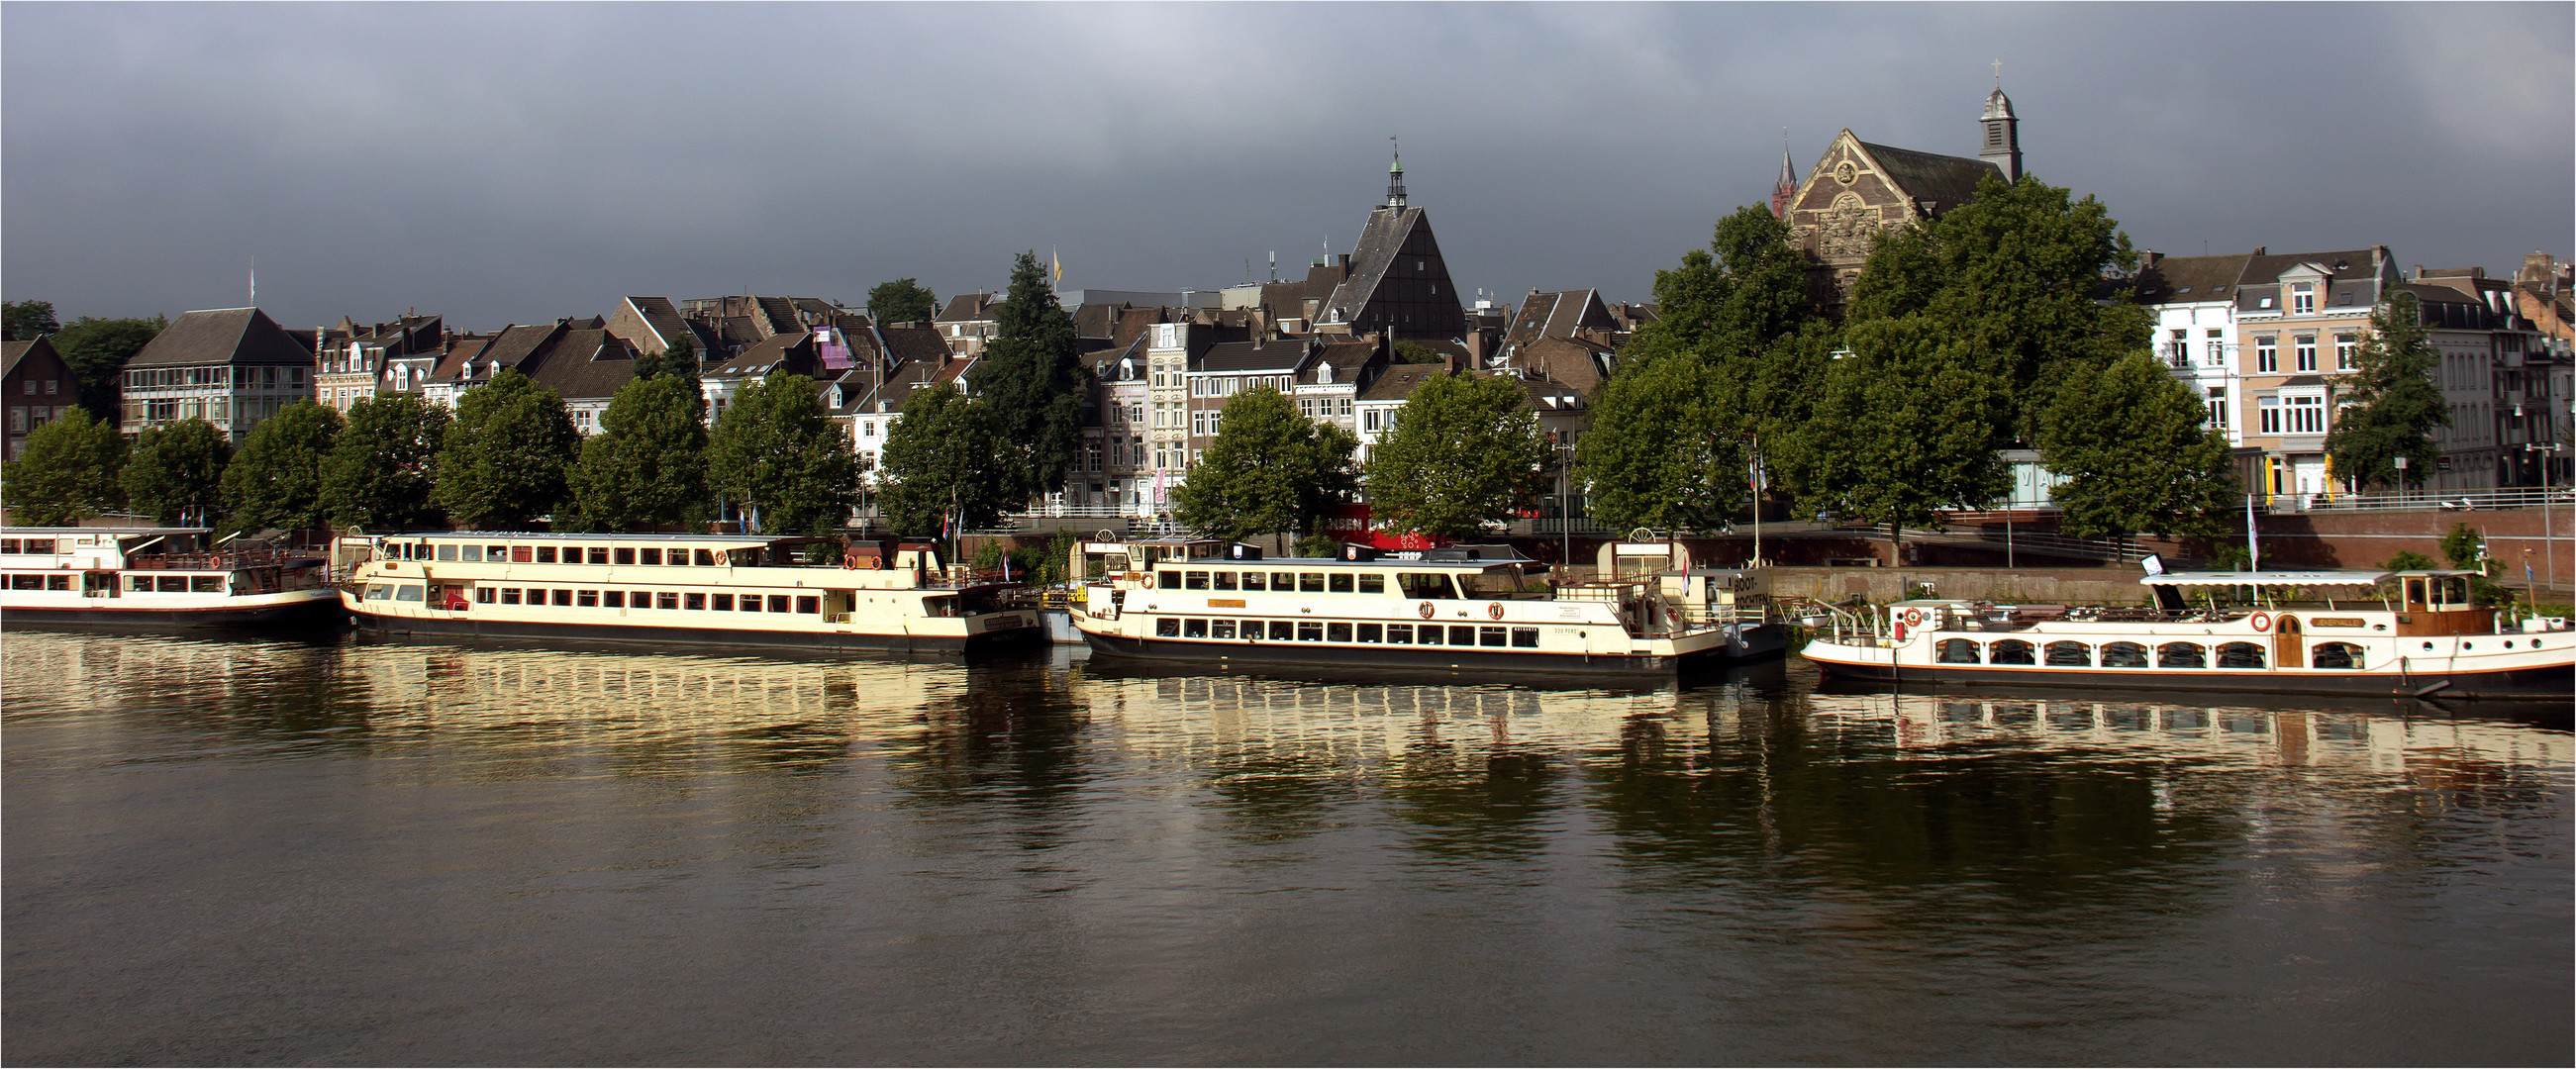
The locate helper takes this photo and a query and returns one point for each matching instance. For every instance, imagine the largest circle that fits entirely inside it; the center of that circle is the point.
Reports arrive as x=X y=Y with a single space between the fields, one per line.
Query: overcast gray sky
x=517 y=162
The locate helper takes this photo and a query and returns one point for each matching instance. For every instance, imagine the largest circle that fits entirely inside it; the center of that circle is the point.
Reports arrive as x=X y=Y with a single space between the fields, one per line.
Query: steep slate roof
x=1347 y=356
x=1381 y=245
x=969 y=307
x=1560 y=315
x=663 y=316
x=1576 y=362
x=1400 y=380
x=2188 y=279
x=2353 y=277
x=1946 y=181
x=1097 y=320
x=906 y=345
x=460 y=349
x=222 y=336
x=586 y=365
x=1287 y=300
x=790 y=352
x=11 y=353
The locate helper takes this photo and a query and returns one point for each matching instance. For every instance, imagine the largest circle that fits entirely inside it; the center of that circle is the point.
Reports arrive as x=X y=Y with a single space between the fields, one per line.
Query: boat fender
x=1913 y=617
x=1426 y=610
x=1900 y=631
x=2262 y=622
x=1495 y=610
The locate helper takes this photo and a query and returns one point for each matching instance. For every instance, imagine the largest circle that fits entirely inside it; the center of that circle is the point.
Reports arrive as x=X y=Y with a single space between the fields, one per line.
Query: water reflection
x=1037 y=861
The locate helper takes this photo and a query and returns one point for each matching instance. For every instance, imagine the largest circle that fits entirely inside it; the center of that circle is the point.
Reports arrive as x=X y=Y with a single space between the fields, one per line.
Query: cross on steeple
x=1999 y=74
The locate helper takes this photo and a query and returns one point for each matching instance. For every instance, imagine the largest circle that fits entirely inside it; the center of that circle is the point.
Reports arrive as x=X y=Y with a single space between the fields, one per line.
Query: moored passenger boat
x=2413 y=633
x=155 y=577
x=1208 y=602
x=696 y=590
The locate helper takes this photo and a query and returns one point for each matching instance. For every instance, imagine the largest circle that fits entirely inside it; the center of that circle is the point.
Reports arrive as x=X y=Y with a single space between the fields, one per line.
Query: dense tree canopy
x=276 y=478
x=2019 y=276
x=1032 y=377
x=1270 y=470
x=1907 y=425
x=378 y=474
x=1661 y=452
x=27 y=320
x=97 y=350
x=2395 y=403
x=902 y=301
x=647 y=465
x=1465 y=449
x=67 y=469
x=176 y=472
x=946 y=458
x=1409 y=351
x=2137 y=454
x=775 y=456
x=505 y=457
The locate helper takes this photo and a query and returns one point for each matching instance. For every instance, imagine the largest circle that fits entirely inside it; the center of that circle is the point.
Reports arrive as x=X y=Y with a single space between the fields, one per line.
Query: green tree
x=902 y=301
x=27 y=320
x=2394 y=402
x=1033 y=378
x=97 y=350
x=647 y=465
x=275 y=480
x=2464 y=546
x=378 y=476
x=2018 y=276
x=774 y=455
x=1659 y=453
x=2137 y=454
x=175 y=473
x=505 y=456
x=1465 y=449
x=66 y=470
x=1906 y=426
x=946 y=458
x=1414 y=352
x=1270 y=470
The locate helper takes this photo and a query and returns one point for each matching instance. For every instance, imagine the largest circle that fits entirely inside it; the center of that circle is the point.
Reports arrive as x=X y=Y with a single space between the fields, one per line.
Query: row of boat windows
x=1418 y=585
x=26 y=545
x=604 y=599
x=552 y=554
x=2134 y=655
x=1338 y=631
x=141 y=584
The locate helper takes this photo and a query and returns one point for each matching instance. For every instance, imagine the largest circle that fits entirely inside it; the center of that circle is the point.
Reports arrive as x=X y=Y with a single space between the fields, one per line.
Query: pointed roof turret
x=1395 y=177
x=1785 y=189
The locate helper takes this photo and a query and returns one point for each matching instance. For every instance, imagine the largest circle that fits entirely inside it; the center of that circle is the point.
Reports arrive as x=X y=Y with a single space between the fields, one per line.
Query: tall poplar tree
x=2395 y=403
x=1032 y=376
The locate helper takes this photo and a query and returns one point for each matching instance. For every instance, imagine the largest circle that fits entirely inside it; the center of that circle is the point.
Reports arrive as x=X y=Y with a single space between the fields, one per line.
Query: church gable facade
x=1858 y=190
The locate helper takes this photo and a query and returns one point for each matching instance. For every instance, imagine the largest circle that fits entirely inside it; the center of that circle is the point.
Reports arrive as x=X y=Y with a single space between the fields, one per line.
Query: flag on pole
x=1057 y=262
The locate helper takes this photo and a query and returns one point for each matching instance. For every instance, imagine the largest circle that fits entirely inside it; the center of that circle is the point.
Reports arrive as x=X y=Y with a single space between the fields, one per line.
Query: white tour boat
x=697 y=590
x=1211 y=602
x=2413 y=633
x=155 y=577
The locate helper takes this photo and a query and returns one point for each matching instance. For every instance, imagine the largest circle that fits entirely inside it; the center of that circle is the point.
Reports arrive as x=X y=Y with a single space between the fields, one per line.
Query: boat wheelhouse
x=1469 y=609
x=702 y=590
x=2414 y=633
x=155 y=577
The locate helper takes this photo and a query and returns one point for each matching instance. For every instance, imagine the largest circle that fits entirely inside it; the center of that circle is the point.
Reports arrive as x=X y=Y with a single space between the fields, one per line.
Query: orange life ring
x=876 y=564
x=2262 y=621
x=1495 y=610
x=1913 y=617
x=1672 y=615
x=1426 y=610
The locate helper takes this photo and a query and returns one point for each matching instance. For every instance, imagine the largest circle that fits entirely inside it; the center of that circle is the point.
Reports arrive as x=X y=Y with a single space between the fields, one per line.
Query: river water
x=222 y=852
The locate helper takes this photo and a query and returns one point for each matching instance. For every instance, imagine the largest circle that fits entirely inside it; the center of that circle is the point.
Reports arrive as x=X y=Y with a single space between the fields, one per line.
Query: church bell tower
x=2003 y=140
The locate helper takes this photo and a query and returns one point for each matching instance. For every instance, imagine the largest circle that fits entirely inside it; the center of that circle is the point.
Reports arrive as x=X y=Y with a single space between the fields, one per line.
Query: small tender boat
x=155 y=577
x=2413 y=633
x=688 y=590
x=1467 y=609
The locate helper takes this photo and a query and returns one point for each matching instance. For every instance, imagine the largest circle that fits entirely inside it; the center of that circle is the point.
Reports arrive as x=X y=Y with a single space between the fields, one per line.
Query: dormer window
x=2303 y=298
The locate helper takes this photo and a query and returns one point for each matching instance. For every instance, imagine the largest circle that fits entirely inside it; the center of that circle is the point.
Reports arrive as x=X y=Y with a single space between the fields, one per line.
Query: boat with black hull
x=686 y=590
x=157 y=578
x=2406 y=633
x=1469 y=610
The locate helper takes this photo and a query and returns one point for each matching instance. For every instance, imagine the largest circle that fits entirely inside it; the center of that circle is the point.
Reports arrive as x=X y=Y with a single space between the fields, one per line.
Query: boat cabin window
x=1424 y=586
x=625 y=554
x=703 y=558
x=2335 y=655
x=2124 y=655
x=472 y=554
x=599 y=554
x=1169 y=580
x=1341 y=582
x=545 y=554
x=2181 y=655
x=381 y=591
x=1223 y=581
x=1254 y=581
x=1337 y=632
x=1958 y=651
x=652 y=555
x=496 y=554
x=2415 y=592
x=446 y=552
x=1372 y=583
x=1525 y=637
x=1310 y=631
x=2010 y=651
x=1279 y=630
x=1463 y=635
x=1221 y=629
x=1310 y=582
x=522 y=554
x=407 y=592
x=1399 y=634
x=2070 y=655
x=2240 y=655
x=1194 y=580
x=1167 y=627
x=8 y=545
x=1372 y=633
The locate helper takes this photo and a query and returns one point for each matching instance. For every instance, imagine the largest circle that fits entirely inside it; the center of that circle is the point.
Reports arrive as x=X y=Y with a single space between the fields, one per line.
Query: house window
x=2303 y=298
x=2270 y=415
x=2218 y=407
x=2267 y=355
x=2305 y=348
x=2217 y=348
x=2177 y=349
x=2308 y=414
x=2344 y=346
x=1346 y=406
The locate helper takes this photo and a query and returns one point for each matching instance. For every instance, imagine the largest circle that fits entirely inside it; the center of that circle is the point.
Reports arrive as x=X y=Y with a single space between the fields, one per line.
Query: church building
x=1859 y=189
x=1397 y=281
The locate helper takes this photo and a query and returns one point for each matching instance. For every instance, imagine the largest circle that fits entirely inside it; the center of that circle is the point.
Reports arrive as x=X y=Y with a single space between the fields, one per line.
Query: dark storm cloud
x=519 y=162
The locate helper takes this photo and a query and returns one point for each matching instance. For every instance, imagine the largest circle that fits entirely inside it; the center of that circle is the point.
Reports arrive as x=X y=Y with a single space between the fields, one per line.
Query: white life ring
x=1495 y=610
x=1427 y=610
x=2262 y=621
x=1913 y=617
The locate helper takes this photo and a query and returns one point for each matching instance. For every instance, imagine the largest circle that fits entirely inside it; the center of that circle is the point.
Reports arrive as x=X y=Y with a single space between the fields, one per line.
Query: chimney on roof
x=2260 y=251
x=2149 y=257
